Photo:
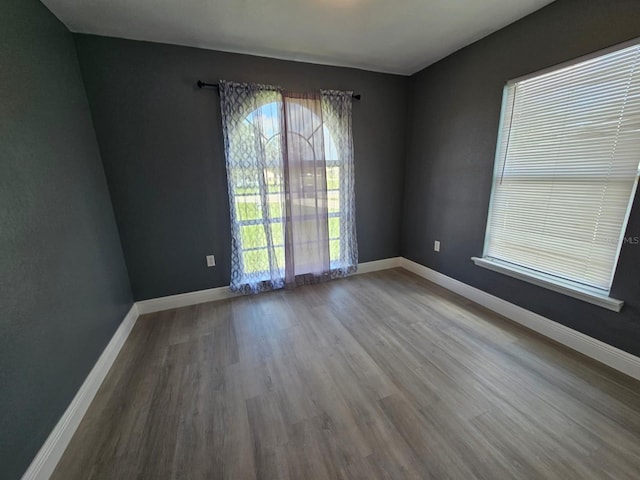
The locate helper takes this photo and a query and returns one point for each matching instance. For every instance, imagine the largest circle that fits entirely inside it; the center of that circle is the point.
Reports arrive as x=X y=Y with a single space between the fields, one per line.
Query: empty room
x=319 y=239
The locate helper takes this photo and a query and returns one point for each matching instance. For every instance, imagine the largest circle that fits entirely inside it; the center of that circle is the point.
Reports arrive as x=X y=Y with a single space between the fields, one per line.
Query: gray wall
x=63 y=282
x=453 y=121
x=161 y=144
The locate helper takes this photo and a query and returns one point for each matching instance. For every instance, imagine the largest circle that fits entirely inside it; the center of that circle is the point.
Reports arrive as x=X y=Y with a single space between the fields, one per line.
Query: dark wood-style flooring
x=377 y=376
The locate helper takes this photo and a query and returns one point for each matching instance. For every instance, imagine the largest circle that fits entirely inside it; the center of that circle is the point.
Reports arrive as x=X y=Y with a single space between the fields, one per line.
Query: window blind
x=566 y=169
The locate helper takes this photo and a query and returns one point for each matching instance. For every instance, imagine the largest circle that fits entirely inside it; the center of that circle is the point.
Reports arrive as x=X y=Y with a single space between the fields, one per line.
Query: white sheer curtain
x=307 y=205
x=291 y=187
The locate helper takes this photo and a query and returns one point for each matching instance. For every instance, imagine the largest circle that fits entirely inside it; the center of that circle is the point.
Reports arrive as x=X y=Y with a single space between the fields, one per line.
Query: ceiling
x=394 y=36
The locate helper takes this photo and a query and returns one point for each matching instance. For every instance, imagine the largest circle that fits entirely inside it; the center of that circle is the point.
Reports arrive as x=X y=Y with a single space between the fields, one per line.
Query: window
x=565 y=175
x=248 y=200
x=290 y=172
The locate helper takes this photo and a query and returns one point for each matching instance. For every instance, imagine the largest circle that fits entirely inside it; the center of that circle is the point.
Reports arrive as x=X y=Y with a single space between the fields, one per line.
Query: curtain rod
x=202 y=84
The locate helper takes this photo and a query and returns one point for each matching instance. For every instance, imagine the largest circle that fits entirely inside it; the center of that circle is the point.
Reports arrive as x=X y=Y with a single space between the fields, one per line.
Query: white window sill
x=551 y=283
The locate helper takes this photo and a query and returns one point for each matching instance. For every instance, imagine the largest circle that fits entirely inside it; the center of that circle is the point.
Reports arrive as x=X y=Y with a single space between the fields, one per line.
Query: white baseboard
x=184 y=300
x=212 y=294
x=377 y=265
x=51 y=451
x=603 y=352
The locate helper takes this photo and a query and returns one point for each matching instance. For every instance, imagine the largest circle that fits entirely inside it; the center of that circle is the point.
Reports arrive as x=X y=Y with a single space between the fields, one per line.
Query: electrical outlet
x=211 y=261
x=436 y=245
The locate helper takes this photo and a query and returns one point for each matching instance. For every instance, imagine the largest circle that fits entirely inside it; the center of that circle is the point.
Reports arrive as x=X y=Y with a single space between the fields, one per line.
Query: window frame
x=570 y=288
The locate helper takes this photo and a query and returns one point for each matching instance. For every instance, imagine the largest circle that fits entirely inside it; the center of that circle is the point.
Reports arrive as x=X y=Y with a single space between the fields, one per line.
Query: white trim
x=496 y=161
x=220 y=293
x=184 y=299
x=548 y=282
x=603 y=352
x=377 y=265
x=51 y=451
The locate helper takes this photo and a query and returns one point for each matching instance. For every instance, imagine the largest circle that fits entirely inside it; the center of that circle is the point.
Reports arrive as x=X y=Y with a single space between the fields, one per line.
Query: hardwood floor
x=377 y=376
